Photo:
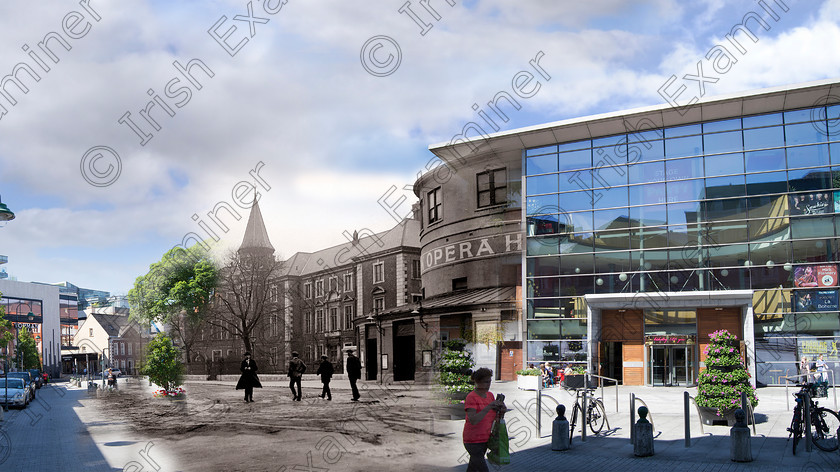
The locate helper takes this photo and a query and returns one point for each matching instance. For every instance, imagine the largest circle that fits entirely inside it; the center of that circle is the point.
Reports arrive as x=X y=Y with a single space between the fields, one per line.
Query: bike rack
x=789 y=377
x=586 y=383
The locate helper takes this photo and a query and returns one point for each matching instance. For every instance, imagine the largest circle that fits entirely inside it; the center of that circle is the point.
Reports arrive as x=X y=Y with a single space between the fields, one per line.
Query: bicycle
x=595 y=412
x=824 y=422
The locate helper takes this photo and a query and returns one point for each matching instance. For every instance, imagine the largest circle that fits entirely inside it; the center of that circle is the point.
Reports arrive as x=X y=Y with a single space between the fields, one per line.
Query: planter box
x=710 y=417
x=574 y=381
x=528 y=382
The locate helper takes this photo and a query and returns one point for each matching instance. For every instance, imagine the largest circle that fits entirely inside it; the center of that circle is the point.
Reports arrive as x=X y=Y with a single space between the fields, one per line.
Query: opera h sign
x=470 y=249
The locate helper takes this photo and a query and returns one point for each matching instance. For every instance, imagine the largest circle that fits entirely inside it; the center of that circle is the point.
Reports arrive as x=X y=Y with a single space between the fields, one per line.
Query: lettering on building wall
x=470 y=249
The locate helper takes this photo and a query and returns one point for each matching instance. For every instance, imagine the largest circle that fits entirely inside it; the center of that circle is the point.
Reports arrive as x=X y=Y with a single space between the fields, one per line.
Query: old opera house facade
x=621 y=241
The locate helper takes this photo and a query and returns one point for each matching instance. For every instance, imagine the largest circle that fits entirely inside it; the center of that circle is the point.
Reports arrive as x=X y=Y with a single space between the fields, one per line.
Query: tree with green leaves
x=26 y=354
x=177 y=292
x=162 y=363
x=7 y=332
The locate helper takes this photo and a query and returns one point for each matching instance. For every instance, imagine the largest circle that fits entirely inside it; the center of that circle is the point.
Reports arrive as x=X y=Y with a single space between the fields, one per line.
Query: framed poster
x=427 y=358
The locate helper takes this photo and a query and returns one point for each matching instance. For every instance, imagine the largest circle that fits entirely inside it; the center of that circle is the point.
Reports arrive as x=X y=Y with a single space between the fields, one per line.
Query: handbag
x=499 y=444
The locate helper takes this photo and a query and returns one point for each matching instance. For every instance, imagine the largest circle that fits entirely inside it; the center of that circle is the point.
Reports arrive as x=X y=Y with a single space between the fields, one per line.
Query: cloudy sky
x=319 y=96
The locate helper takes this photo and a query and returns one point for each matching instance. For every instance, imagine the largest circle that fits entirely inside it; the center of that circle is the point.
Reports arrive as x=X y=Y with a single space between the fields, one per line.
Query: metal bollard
x=632 y=418
x=806 y=402
x=560 y=430
x=643 y=446
x=687 y=420
x=583 y=419
x=740 y=445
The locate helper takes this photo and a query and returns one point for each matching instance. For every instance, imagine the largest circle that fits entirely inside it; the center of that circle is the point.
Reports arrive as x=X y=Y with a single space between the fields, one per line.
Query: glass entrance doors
x=671 y=365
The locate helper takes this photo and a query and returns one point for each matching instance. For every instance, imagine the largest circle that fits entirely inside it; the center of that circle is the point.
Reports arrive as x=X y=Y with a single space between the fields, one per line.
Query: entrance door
x=371 y=365
x=671 y=366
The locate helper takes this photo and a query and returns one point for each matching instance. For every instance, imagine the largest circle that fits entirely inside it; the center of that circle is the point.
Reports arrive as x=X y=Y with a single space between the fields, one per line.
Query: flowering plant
x=454 y=369
x=725 y=377
x=177 y=392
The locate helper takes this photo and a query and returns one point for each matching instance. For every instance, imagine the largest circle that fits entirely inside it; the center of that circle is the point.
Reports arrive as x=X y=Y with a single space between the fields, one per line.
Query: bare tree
x=247 y=295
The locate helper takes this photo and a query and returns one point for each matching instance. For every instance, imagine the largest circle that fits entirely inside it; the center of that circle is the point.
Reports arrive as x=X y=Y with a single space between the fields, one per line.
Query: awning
x=462 y=298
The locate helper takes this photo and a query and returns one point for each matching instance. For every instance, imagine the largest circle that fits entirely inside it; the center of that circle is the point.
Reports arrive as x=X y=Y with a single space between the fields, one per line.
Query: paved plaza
x=68 y=429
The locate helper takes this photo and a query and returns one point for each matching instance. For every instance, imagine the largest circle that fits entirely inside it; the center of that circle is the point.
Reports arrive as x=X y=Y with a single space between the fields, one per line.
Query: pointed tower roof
x=256 y=236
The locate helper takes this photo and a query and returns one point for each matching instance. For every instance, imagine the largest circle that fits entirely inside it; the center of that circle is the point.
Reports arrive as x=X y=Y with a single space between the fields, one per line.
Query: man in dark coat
x=248 y=380
x=296 y=370
x=354 y=372
x=325 y=370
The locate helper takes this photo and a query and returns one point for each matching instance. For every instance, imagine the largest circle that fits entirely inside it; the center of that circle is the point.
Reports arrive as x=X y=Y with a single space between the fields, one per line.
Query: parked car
x=36 y=374
x=116 y=372
x=16 y=394
x=27 y=378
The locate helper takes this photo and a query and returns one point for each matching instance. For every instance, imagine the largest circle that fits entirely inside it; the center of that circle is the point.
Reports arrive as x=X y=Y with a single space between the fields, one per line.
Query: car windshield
x=13 y=383
x=19 y=375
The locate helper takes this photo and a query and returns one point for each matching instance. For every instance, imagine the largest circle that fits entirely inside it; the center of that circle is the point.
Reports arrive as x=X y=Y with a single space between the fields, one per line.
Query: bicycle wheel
x=595 y=417
x=796 y=429
x=574 y=420
x=824 y=426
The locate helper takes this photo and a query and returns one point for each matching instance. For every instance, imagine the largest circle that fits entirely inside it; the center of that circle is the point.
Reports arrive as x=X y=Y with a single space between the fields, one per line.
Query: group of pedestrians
x=820 y=366
x=249 y=379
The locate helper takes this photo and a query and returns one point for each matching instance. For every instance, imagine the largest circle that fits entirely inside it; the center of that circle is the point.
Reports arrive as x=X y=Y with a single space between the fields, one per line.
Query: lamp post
x=5 y=215
x=374 y=318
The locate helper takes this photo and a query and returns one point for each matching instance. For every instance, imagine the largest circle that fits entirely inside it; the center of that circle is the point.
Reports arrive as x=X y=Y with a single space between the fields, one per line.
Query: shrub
x=529 y=372
x=455 y=368
x=725 y=377
x=163 y=363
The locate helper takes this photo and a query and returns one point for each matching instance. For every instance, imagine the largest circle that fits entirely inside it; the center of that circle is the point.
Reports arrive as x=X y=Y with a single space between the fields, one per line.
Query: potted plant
x=720 y=385
x=454 y=370
x=528 y=379
x=577 y=378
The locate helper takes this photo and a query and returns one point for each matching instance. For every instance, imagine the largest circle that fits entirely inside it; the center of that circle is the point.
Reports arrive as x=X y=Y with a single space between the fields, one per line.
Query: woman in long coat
x=248 y=380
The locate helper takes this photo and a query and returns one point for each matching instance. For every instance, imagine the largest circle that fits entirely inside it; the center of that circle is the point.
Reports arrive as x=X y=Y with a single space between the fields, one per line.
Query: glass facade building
x=747 y=206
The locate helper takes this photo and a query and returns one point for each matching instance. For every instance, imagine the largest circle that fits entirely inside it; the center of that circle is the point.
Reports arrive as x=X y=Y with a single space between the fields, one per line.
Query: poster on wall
x=817 y=300
x=816 y=203
x=822 y=275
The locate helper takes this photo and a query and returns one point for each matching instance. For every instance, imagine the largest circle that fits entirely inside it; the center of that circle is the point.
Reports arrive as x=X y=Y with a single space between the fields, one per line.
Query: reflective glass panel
x=683 y=147
x=576 y=201
x=544 y=329
x=643 y=136
x=575 y=145
x=544 y=224
x=574 y=264
x=541 y=204
x=654 y=215
x=767 y=182
x=541 y=184
x=731 y=186
x=611 y=219
x=686 y=190
x=812 y=227
x=809 y=179
x=573 y=160
x=683 y=213
x=679 y=169
x=612 y=240
x=574 y=180
x=544 y=246
x=649 y=238
x=760 y=161
x=818 y=250
x=541 y=164
x=582 y=221
x=762 y=120
x=544 y=287
x=734 y=255
x=647 y=172
x=762 y=138
x=808 y=156
x=543 y=266
x=805 y=133
x=686 y=130
x=722 y=125
x=724 y=164
x=610 y=197
x=725 y=209
x=609 y=177
x=647 y=194
x=541 y=150
x=798 y=116
x=646 y=151
x=722 y=142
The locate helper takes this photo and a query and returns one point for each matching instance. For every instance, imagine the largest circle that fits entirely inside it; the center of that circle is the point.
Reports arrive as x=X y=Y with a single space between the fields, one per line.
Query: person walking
x=822 y=369
x=804 y=368
x=325 y=370
x=354 y=373
x=481 y=407
x=296 y=370
x=248 y=380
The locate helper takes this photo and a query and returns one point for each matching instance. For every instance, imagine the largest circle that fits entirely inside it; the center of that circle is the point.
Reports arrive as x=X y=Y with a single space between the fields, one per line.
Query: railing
x=789 y=377
x=586 y=379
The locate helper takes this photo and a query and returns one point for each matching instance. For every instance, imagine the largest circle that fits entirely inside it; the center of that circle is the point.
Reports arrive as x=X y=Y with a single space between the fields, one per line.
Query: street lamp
x=374 y=318
x=5 y=214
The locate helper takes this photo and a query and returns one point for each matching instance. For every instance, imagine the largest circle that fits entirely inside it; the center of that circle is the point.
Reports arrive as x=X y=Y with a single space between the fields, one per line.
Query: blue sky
x=332 y=137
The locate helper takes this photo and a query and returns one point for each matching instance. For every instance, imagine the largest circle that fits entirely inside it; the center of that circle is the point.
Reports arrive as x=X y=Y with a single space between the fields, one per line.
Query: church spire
x=256 y=237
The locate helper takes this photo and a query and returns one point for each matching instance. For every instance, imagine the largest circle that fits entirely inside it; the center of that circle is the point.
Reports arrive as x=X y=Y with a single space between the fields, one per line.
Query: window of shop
x=491 y=187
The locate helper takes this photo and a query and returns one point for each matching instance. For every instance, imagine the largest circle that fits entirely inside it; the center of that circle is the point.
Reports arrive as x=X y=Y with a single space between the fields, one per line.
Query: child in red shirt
x=481 y=407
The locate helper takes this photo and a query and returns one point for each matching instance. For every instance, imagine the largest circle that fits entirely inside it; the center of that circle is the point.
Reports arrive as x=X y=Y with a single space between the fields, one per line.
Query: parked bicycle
x=595 y=412
x=824 y=421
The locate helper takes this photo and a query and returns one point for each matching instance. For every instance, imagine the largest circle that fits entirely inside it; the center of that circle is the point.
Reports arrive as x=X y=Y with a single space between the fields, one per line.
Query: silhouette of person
x=296 y=370
x=354 y=373
x=248 y=380
x=325 y=370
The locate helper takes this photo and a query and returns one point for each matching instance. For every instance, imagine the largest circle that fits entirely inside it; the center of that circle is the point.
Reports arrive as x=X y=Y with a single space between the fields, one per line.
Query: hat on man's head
x=324 y=357
x=247 y=353
x=349 y=351
x=295 y=354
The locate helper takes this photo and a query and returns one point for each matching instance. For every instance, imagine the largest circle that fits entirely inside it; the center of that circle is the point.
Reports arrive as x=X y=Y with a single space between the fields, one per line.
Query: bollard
x=740 y=446
x=687 y=420
x=632 y=418
x=643 y=445
x=583 y=419
x=560 y=430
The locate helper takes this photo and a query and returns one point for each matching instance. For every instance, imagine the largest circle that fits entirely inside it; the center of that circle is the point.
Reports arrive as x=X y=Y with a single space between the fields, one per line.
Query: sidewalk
x=709 y=451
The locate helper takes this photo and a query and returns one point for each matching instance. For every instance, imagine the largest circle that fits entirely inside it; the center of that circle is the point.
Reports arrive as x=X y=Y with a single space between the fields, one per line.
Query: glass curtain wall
x=745 y=203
